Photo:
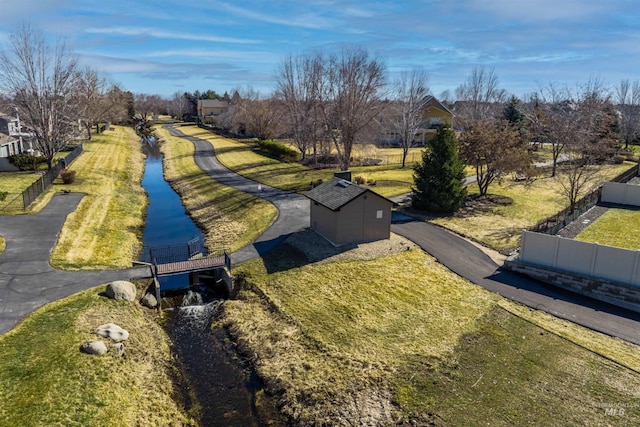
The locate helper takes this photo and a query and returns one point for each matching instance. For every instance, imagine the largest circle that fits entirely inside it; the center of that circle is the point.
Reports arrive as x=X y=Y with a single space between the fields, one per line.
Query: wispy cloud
x=163 y=34
x=302 y=19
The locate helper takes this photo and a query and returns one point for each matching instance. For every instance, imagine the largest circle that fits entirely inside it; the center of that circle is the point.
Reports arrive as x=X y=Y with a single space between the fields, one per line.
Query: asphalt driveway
x=27 y=281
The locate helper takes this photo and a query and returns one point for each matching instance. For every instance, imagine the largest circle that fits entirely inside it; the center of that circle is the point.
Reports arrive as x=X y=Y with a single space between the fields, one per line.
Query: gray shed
x=343 y=212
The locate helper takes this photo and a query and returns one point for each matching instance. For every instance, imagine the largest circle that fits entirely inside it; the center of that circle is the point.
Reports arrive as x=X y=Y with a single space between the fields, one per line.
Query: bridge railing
x=182 y=252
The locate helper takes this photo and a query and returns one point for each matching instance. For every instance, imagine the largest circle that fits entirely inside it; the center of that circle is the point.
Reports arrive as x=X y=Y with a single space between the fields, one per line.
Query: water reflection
x=167 y=223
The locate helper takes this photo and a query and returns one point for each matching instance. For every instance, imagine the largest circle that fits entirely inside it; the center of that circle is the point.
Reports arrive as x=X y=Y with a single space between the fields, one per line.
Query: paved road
x=27 y=281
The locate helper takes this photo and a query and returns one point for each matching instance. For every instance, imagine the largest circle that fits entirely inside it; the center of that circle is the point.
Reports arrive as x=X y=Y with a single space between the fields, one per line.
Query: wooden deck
x=192 y=265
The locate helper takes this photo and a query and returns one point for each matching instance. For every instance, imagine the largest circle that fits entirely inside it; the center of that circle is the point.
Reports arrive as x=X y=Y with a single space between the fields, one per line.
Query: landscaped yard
x=14 y=183
x=349 y=336
x=616 y=227
x=45 y=380
x=499 y=225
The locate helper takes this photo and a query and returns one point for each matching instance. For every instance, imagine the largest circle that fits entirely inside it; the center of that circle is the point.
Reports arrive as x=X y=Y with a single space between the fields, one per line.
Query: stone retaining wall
x=618 y=294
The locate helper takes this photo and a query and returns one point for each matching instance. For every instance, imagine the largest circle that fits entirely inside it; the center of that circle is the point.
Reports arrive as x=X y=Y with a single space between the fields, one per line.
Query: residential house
x=433 y=113
x=343 y=212
x=209 y=109
x=11 y=141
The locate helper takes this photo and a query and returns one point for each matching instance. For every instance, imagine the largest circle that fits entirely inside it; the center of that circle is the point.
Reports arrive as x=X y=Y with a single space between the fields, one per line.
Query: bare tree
x=146 y=106
x=259 y=115
x=479 y=94
x=493 y=148
x=410 y=91
x=628 y=104
x=349 y=94
x=41 y=79
x=576 y=179
x=98 y=99
x=297 y=82
x=178 y=105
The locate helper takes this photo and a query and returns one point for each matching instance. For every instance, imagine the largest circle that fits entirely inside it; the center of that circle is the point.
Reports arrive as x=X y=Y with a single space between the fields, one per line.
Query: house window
x=435 y=122
x=379 y=214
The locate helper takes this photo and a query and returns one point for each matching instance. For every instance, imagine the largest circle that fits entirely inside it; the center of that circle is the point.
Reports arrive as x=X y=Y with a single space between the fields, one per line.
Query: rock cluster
x=108 y=330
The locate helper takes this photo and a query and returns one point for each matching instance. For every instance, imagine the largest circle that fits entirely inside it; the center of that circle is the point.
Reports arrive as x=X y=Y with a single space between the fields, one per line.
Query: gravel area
x=583 y=221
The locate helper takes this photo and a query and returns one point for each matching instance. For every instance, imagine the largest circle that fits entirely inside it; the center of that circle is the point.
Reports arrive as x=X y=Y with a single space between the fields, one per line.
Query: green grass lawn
x=402 y=329
x=14 y=183
x=229 y=218
x=45 y=380
x=105 y=230
x=616 y=227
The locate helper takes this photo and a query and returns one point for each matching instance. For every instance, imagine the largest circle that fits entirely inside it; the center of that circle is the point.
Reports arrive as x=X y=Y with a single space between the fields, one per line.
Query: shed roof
x=337 y=192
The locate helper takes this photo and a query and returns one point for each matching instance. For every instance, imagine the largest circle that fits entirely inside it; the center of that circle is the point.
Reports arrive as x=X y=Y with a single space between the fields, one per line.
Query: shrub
x=26 y=161
x=278 y=150
x=3 y=195
x=68 y=176
x=360 y=179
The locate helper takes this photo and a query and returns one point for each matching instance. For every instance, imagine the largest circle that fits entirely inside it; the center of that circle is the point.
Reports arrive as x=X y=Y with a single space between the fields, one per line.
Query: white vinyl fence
x=581 y=258
x=624 y=194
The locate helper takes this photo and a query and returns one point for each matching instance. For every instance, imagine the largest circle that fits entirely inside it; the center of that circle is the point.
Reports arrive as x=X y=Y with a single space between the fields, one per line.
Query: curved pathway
x=27 y=281
x=293 y=209
x=468 y=261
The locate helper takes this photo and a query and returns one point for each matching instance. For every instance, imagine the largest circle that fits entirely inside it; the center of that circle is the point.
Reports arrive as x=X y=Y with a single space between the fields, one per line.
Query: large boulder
x=97 y=348
x=122 y=290
x=149 y=300
x=113 y=331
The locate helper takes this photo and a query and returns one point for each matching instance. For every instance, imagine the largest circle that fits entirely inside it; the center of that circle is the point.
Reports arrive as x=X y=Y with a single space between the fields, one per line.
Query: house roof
x=212 y=103
x=337 y=192
x=432 y=101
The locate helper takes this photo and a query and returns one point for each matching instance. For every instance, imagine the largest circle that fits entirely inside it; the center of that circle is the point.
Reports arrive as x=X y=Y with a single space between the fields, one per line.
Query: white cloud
x=163 y=34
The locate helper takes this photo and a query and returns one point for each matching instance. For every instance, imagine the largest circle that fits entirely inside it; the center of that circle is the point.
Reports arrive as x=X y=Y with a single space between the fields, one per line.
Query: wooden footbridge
x=192 y=257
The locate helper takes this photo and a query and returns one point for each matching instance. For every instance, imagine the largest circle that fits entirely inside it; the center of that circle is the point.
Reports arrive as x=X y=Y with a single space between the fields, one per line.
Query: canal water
x=219 y=388
x=167 y=223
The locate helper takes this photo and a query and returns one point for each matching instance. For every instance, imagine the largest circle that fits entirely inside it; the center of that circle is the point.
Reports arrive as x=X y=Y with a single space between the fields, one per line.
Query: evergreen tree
x=438 y=178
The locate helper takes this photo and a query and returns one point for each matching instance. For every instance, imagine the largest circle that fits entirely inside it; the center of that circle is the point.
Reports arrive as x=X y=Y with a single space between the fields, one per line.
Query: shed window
x=379 y=214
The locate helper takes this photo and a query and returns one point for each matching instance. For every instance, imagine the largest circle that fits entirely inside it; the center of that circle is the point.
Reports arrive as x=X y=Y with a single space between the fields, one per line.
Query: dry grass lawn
x=105 y=230
x=45 y=380
x=374 y=333
x=616 y=227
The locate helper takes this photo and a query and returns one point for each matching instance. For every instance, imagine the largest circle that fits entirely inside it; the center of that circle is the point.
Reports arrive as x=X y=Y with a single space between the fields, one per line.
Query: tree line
x=325 y=103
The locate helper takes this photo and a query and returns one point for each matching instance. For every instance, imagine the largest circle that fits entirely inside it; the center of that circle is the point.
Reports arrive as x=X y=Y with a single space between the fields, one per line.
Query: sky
x=174 y=46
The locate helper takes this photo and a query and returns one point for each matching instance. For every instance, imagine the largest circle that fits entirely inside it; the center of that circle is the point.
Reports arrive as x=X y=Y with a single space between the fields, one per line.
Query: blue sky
x=168 y=46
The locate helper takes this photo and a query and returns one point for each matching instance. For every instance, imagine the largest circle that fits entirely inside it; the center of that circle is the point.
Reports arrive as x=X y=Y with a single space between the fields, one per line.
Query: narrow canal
x=218 y=388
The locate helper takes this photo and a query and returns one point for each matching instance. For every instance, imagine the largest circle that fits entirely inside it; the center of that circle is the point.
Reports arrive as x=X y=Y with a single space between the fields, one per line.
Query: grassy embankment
x=229 y=218
x=358 y=338
x=45 y=380
x=104 y=231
